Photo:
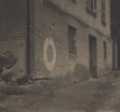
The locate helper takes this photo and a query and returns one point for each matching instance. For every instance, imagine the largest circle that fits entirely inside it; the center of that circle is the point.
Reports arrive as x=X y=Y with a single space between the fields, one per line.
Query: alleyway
x=94 y=95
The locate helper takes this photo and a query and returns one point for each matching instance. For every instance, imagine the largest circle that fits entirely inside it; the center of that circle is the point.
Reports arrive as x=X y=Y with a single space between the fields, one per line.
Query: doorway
x=93 y=55
x=116 y=54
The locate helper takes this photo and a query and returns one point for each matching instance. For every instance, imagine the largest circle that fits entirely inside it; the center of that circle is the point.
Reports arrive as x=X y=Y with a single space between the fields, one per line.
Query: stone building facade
x=52 y=37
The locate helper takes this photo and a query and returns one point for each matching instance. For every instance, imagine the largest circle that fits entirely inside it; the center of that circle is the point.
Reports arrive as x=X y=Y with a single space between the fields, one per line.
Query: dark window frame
x=105 y=49
x=92 y=7
x=103 y=12
x=72 y=41
x=74 y=1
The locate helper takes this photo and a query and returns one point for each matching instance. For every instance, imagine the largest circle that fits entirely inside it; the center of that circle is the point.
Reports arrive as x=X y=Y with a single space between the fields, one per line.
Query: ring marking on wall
x=49 y=45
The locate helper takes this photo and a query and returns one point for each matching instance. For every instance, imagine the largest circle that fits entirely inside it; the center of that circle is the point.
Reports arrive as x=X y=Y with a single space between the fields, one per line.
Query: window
x=92 y=7
x=103 y=10
x=105 y=50
x=47 y=3
x=71 y=41
x=74 y=1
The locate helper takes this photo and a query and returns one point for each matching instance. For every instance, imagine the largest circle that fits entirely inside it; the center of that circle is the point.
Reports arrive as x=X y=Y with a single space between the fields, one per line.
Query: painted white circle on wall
x=49 y=54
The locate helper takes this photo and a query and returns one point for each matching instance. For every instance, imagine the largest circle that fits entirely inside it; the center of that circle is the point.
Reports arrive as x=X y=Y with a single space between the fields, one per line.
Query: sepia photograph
x=59 y=56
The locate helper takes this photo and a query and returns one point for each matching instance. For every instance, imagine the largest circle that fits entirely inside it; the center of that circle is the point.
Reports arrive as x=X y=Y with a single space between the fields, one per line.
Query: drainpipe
x=28 y=40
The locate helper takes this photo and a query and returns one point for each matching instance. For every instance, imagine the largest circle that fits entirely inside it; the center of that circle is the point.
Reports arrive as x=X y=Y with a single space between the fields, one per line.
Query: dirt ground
x=93 y=95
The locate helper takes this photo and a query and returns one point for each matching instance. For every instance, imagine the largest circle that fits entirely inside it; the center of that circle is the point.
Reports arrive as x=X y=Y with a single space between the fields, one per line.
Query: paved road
x=89 y=96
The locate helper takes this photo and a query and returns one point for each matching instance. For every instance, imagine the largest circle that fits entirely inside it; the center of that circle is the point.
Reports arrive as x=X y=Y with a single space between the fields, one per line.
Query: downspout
x=28 y=41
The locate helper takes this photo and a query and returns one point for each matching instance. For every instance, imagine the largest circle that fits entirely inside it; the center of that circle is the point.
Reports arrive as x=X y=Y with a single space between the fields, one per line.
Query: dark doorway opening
x=116 y=54
x=93 y=55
